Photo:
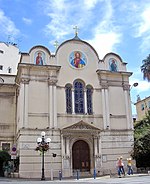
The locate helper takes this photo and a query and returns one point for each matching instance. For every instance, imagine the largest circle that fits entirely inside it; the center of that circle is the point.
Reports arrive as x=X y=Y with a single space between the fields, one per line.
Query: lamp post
x=43 y=145
x=134 y=85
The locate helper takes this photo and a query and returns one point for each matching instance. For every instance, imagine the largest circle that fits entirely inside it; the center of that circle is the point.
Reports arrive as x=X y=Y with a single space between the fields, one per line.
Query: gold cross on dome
x=56 y=44
x=76 y=30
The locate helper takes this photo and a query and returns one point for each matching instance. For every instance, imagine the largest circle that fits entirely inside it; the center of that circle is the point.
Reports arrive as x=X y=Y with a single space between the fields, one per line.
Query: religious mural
x=77 y=59
x=39 y=58
x=113 y=65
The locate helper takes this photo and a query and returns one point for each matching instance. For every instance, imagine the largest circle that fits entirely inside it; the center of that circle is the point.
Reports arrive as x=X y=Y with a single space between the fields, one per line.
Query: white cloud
x=144 y=25
x=136 y=21
x=143 y=86
x=7 y=26
x=27 y=21
x=90 y=3
x=106 y=35
x=105 y=42
x=65 y=14
x=58 y=12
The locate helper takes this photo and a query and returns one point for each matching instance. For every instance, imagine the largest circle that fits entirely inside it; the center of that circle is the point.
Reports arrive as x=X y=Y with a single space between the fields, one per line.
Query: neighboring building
x=9 y=57
x=81 y=102
x=142 y=107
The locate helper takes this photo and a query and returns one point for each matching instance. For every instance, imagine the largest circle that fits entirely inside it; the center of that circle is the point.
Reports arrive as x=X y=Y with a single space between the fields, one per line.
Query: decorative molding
x=104 y=85
x=66 y=157
x=126 y=87
x=97 y=156
x=4 y=127
x=7 y=94
x=52 y=80
x=81 y=126
x=25 y=81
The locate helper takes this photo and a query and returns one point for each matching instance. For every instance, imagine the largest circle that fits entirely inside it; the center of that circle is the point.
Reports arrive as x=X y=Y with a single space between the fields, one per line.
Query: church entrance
x=81 y=156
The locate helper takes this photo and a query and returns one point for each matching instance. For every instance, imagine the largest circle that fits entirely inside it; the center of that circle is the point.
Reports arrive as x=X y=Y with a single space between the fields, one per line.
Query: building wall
x=9 y=53
x=41 y=106
x=142 y=107
x=7 y=111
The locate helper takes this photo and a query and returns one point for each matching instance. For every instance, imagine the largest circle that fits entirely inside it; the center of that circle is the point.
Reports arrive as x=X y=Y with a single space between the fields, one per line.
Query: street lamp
x=134 y=85
x=43 y=145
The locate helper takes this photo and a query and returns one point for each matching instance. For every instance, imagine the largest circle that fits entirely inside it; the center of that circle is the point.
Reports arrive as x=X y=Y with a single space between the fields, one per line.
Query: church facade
x=81 y=102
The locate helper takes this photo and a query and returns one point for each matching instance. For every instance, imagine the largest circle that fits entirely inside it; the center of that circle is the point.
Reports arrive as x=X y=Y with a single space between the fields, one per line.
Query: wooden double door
x=81 y=156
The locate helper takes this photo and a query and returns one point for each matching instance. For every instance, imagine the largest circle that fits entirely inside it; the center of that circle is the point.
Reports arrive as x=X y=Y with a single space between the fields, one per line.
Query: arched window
x=79 y=97
x=89 y=92
x=68 y=98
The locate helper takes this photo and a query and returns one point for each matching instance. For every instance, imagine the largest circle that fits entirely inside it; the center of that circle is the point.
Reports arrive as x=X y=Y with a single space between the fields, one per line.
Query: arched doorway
x=81 y=156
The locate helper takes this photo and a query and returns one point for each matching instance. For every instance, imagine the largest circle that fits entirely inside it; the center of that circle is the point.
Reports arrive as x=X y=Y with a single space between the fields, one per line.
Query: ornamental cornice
x=25 y=81
x=104 y=85
x=126 y=87
x=81 y=127
x=52 y=80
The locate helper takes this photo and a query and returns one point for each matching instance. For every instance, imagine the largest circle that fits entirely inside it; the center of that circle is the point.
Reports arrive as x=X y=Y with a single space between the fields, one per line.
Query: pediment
x=81 y=125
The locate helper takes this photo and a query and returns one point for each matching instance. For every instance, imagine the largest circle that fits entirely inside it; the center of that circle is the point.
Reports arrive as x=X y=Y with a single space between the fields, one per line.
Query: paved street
x=138 y=179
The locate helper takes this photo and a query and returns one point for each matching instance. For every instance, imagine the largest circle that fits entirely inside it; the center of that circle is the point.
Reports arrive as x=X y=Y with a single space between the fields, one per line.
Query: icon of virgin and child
x=77 y=59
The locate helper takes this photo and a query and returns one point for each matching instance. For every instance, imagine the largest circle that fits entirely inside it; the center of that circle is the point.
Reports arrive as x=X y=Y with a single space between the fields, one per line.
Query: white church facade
x=81 y=102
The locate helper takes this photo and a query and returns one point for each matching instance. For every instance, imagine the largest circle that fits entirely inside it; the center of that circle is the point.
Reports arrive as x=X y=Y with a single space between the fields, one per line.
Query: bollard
x=110 y=173
x=94 y=173
x=60 y=175
x=77 y=175
x=52 y=175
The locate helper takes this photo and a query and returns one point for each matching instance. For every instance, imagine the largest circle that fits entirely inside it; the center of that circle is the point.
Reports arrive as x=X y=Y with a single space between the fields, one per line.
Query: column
x=26 y=100
x=104 y=108
x=99 y=145
x=55 y=106
x=21 y=106
x=99 y=150
x=67 y=147
x=65 y=151
x=62 y=145
x=62 y=150
x=50 y=106
x=73 y=105
x=85 y=101
x=127 y=107
x=95 y=146
x=107 y=109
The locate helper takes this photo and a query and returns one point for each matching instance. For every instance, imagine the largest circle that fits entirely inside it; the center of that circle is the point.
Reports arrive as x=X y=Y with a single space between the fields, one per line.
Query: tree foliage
x=145 y=68
x=4 y=156
x=141 y=152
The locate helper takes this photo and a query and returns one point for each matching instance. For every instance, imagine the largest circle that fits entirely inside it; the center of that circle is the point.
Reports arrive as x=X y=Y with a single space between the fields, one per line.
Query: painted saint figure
x=39 y=60
x=113 y=66
x=77 y=62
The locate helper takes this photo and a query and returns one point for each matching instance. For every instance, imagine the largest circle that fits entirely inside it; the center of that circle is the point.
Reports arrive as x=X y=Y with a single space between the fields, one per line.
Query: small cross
x=76 y=30
x=56 y=44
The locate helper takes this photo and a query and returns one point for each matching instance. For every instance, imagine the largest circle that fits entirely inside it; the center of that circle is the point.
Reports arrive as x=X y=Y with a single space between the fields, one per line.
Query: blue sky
x=120 y=26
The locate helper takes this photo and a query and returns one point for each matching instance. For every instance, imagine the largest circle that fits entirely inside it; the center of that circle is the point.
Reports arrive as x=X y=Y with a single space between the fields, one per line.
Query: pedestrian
x=129 y=165
x=121 y=167
x=117 y=167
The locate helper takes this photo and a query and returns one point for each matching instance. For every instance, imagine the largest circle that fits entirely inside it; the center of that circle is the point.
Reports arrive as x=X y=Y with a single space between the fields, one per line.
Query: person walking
x=121 y=167
x=129 y=165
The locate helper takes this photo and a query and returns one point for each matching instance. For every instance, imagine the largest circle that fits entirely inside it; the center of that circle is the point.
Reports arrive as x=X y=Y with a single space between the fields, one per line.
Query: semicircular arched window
x=79 y=97
x=89 y=91
x=68 y=98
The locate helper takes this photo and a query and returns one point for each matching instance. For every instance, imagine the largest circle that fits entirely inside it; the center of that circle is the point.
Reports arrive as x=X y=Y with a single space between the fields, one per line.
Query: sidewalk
x=73 y=179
